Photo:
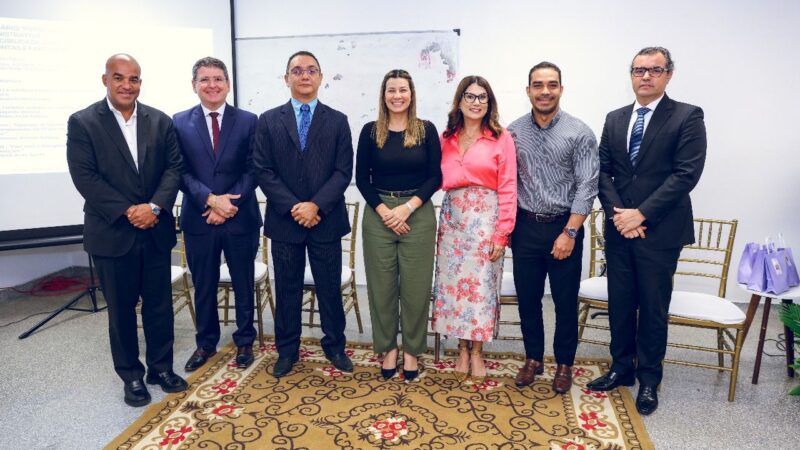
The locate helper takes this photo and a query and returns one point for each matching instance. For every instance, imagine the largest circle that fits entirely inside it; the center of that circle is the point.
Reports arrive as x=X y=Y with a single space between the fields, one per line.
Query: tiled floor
x=59 y=390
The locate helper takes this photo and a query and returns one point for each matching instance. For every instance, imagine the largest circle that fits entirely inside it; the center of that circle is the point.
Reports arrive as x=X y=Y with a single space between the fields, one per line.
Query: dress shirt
x=652 y=106
x=558 y=165
x=490 y=162
x=206 y=114
x=296 y=104
x=128 y=130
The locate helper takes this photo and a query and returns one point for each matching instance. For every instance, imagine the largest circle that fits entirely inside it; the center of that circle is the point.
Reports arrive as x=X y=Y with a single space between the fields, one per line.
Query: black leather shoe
x=647 y=400
x=169 y=381
x=284 y=365
x=388 y=373
x=341 y=362
x=611 y=380
x=136 y=393
x=244 y=356
x=198 y=358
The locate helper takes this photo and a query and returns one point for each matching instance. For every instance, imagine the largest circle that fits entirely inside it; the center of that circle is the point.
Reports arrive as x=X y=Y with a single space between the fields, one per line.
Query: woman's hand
x=497 y=252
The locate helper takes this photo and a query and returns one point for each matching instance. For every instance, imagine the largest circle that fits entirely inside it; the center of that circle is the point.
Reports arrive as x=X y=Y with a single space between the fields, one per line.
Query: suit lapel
x=289 y=122
x=112 y=128
x=317 y=123
x=200 y=126
x=622 y=135
x=660 y=116
x=142 y=131
x=228 y=122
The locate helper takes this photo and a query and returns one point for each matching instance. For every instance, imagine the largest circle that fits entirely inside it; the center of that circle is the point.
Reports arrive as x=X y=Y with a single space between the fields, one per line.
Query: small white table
x=786 y=298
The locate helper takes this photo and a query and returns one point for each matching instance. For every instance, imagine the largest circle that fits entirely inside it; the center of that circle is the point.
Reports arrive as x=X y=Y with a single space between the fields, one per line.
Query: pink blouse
x=490 y=162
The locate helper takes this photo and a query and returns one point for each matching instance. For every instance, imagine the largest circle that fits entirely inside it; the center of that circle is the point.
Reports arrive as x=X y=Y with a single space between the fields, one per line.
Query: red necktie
x=214 y=131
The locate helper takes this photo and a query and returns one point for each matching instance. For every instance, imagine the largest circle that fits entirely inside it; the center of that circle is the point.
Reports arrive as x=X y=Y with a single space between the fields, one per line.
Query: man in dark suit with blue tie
x=219 y=211
x=651 y=156
x=303 y=161
x=125 y=162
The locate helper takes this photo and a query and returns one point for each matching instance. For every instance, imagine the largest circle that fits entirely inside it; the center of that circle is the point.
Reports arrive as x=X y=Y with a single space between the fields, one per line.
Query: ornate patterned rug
x=317 y=407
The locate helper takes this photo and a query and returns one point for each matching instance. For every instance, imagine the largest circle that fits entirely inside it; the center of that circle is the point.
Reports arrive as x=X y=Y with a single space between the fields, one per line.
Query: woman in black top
x=397 y=171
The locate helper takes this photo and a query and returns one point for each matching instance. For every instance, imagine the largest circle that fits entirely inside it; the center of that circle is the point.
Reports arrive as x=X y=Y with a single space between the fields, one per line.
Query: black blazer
x=227 y=173
x=669 y=165
x=104 y=173
x=319 y=174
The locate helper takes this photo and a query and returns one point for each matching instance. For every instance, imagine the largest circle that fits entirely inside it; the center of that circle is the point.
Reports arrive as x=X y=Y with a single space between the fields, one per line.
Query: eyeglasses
x=655 y=72
x=209 y=80
x=469 y=97
x=298 y=71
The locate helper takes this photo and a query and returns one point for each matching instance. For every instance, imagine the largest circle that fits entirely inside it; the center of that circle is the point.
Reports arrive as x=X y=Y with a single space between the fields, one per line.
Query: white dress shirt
x=128 y=130
x=652 y=105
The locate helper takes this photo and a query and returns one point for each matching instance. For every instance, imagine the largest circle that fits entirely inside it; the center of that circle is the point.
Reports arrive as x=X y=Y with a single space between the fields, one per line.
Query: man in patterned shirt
x=558 y=169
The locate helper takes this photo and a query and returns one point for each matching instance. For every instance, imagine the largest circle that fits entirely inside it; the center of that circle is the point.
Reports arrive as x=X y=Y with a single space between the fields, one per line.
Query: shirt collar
x=220 y=110
x=297 y=103
x=487 y=133
x=552 y=123
x=651 y=106
x=119 y=113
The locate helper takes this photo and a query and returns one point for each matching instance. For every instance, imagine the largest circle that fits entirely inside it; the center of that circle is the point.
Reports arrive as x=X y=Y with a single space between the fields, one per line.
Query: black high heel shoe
x=410 y=375
x=387 y=374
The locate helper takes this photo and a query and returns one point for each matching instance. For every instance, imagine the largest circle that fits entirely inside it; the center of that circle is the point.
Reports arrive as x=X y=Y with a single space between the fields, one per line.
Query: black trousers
x=142 y=272
x=203 y=253
x=639 y=281
x=289 y=260
x=531 y=244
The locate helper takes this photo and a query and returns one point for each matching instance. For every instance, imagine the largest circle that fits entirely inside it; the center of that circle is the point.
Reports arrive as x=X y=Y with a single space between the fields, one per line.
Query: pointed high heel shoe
x=476 y=379
x=462 y=376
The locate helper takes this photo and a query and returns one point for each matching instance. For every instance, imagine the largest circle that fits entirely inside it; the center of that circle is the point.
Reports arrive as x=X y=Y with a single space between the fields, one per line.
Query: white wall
x=737 y=59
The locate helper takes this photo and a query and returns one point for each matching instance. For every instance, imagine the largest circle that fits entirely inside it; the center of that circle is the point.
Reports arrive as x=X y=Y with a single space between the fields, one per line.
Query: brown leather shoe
x=528 y=372
x=198 y=358
x=562 y=380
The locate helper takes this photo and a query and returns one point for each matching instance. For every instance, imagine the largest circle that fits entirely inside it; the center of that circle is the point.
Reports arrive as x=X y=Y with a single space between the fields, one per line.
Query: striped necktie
x=305 y=123
x=636 y=134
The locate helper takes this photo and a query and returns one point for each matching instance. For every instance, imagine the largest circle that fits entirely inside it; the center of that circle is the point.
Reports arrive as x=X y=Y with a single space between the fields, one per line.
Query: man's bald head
x=122 y=57
x=122 y=81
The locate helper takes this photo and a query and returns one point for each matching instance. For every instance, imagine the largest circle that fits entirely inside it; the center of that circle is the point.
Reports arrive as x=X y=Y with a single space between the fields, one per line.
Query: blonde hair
x=415 y=131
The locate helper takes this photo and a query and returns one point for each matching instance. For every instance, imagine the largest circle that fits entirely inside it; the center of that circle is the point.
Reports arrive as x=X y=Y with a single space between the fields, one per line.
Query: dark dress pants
x=289 y=260
x=639 y=279
x=203 y=257
x=142 y=272
x=531 y=244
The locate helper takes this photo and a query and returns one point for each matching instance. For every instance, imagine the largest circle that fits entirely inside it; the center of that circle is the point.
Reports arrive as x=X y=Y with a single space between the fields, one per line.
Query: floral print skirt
x=467 y=283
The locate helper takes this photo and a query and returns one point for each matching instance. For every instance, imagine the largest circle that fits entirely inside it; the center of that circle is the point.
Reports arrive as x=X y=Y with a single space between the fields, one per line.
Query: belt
x=407 y=193
x=542 y=218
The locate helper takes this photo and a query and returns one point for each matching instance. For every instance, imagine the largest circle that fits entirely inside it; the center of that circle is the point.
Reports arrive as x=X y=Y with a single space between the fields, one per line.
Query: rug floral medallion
x=317 y=407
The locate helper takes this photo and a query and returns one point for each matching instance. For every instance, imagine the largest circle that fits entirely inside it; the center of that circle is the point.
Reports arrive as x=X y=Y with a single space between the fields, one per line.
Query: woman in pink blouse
x=479 y=175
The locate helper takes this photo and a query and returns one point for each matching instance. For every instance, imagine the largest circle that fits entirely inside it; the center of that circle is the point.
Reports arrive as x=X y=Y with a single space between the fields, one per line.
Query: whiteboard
x=353 y=66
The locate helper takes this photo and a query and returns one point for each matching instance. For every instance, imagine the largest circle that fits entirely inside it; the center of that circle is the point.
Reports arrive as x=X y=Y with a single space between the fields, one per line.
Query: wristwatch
x=572 y=233
x=155 y=209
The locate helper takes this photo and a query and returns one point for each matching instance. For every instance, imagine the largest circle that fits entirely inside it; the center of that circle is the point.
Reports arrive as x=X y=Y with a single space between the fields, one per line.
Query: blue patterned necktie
x=305 y=122
x=636 y=134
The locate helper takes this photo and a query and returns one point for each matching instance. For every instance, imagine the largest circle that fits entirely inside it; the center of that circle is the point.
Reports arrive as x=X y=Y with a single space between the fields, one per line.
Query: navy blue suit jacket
x=103 y=170
x=227 y=173
x=669 y=165
x=319 y=174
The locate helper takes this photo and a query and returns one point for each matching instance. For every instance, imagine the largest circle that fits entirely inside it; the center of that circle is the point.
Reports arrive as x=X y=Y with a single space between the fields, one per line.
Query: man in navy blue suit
x=219 y=211
x=303 y=161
